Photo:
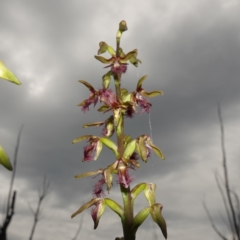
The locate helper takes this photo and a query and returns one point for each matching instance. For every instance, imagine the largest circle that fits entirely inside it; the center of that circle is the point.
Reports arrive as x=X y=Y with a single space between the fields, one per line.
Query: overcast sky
x=189 y=49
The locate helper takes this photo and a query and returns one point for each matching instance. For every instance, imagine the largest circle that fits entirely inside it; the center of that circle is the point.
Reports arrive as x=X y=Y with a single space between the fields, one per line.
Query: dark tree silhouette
x=229 y=197
x=42 y=193
x=11 y=195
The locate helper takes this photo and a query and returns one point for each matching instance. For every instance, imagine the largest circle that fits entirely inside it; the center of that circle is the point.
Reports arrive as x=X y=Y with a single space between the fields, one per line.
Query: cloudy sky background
x=189 y=49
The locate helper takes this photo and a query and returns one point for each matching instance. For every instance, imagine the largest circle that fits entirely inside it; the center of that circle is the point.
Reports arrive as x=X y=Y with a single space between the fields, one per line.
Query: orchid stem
x=127 y=200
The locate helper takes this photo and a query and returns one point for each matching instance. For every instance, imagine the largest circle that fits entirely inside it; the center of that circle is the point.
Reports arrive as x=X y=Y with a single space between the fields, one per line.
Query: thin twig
x=14 y=168
x=30 y=208
x=226 y=174
x=79 y=227
x=224 y=202
x=42 y=193
x=238 y=208
x=212 y=223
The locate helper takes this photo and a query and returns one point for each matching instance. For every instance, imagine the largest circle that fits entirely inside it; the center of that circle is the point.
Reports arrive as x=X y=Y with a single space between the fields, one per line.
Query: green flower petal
x=88 y=174
x=115 y=207
x=104 y=60
x=88 y=85
x=151 y=94
x=137 y=190
x=6 y=74
x=129 y=149
x=81 y=138
x=4 y=159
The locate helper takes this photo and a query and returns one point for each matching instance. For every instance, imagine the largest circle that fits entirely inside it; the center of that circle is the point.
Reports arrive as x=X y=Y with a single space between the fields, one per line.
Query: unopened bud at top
x=123 y=26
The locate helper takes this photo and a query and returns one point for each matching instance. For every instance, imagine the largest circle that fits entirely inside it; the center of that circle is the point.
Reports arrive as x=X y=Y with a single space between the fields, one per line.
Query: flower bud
x=123 y=26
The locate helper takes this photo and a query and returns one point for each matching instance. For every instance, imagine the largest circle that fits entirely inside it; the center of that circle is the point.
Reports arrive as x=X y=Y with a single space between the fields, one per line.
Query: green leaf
x=129 y=149
x=81 y=138
x=137 y=190
x=4 y=159
x=115 y=207
x=6 y=74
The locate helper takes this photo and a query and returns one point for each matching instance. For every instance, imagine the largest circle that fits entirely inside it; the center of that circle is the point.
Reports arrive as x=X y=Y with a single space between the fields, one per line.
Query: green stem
x=126 y=194
x=128 y=213
x=117 y=81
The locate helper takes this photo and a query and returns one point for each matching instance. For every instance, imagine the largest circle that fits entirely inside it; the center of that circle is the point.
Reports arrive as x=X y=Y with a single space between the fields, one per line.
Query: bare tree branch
x=14 y=167
x=30 y=208
x=11 y=199
x=237 y=208
x=212 y=223
x=3 y=228
x=233 y=214
x=224 y=202
x=42 y=193
x=3 y=209
x=224 y=221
